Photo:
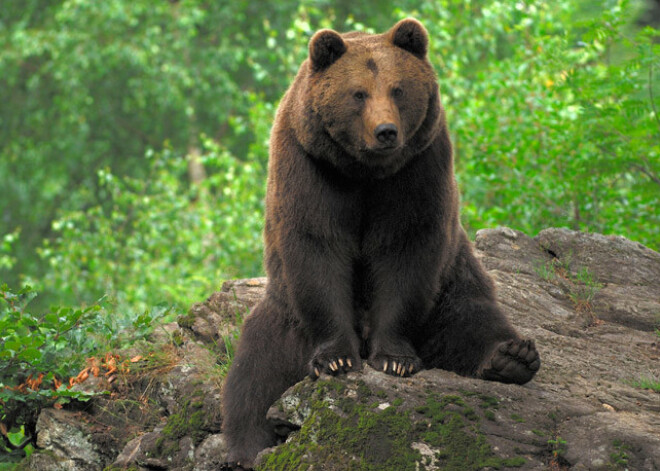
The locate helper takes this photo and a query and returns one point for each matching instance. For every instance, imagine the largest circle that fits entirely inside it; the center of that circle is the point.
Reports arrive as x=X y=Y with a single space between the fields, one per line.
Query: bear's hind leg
x=478 y=341
x=271 y=356
x=470 y=335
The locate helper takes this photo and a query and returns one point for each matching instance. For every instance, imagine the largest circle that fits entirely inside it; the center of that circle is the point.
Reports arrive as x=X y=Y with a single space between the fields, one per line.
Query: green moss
x=380 y=440
x=191 y=421
x=462 y=445
x=517 y=418
x=470 y=414
x=324 y=386
x=540 y=433
x=177 y=338
x=487 y=402
x=498 y=463
x=490 y=415
x=363 y=391
x=619 y=458
x=363 y=438
x=186 y=320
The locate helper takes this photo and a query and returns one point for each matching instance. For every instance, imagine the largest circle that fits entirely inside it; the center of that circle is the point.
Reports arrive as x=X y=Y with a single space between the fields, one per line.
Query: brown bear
x=365 y=255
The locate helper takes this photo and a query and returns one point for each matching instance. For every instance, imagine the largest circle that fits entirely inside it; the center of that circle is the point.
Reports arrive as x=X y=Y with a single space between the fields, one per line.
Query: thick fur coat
x=365 y=254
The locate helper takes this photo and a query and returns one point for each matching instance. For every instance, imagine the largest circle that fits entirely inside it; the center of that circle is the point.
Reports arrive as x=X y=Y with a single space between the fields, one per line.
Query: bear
x=364 y=251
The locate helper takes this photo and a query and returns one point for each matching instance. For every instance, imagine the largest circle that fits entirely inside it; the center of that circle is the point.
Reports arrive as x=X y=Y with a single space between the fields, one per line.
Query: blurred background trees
x=134 y=134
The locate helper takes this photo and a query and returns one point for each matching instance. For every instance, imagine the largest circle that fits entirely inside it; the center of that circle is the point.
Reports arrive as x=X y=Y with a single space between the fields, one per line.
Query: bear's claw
x=332 y=365
x=513 y=361
x=396 y=366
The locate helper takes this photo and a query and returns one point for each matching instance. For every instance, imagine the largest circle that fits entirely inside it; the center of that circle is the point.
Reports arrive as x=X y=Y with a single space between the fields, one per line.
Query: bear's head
x=370 y=102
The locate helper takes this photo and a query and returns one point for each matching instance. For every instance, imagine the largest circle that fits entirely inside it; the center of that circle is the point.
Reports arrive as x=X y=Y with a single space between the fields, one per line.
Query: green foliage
x=557 y=446
x=39 y=352
x=160 y=238
x=93 y=85
x=7 y=261
x=41 y=348
x=555 y=120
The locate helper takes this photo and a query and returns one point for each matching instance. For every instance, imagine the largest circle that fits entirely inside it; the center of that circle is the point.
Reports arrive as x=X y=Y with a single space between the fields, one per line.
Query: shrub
x=40 y=353
x=161 y=238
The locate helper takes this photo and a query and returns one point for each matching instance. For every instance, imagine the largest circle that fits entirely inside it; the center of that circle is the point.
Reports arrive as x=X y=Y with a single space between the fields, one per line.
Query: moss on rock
x=461 y=444
x=344 y=434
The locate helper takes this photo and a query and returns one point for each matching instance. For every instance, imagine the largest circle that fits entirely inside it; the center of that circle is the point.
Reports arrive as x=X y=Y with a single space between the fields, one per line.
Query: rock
x=66 y=430
x=214 y=319
x=211 y=453
x=436 y=419
x=592 y=303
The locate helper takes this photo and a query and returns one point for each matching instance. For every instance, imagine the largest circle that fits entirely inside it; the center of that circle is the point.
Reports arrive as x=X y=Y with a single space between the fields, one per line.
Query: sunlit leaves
x=162 y=239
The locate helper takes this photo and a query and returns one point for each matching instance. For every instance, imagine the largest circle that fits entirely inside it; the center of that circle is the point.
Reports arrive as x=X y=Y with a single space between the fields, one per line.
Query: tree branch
x=654 y=178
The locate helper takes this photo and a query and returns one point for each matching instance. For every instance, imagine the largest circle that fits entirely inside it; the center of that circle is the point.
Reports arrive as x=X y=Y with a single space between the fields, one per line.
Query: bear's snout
x=386 y=133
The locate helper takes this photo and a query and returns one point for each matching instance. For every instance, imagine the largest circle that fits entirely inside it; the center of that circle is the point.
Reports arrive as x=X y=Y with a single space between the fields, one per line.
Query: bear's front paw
x=333 y=364
x=513 y=361
x=396 y=365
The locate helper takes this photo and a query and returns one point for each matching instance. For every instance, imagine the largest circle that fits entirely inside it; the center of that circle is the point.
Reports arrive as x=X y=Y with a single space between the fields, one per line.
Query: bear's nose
x=386 y=133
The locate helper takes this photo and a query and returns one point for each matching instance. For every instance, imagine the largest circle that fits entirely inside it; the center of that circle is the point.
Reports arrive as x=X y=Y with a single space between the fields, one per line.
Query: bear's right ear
x=325 y=47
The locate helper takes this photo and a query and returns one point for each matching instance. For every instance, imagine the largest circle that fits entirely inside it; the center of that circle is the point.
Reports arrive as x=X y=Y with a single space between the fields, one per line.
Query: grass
x=647 y=382
x=583 y=284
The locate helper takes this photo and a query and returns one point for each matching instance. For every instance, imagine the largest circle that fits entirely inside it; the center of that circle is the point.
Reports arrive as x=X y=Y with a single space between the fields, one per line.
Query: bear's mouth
x=382 y=151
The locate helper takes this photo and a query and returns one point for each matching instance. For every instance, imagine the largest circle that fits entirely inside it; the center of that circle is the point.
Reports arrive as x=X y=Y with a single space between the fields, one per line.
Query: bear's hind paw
x=513 y=361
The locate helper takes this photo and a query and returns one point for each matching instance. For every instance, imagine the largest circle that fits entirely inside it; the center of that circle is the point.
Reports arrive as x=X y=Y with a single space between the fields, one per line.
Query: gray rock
x=67 y=443
x=211 y=453
x=592 y=303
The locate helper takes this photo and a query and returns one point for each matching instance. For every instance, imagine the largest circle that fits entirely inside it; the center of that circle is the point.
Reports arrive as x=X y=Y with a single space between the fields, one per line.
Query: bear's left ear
x=410 y=35
x=325 y=47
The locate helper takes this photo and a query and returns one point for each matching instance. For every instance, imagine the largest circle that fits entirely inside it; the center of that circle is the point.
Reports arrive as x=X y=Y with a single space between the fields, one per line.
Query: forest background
x=134 y=144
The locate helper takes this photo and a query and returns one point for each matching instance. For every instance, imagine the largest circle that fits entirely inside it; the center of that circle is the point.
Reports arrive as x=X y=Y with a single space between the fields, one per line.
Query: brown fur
x=365 y=253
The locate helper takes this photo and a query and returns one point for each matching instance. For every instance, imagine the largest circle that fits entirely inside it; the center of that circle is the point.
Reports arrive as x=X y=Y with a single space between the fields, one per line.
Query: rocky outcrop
x=592 y=303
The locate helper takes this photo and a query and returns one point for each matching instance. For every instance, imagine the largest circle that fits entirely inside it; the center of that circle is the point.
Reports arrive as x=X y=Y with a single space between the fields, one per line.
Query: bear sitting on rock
x=365 y=255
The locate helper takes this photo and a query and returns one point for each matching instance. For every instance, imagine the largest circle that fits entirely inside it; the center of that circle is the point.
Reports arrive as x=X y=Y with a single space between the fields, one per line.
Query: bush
x=555 y=118
x=161 y=239
x=40 y=353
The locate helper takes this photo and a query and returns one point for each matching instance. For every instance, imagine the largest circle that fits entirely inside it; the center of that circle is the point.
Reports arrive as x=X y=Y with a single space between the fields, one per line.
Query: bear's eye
x=397 y=92
x=360 y=96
